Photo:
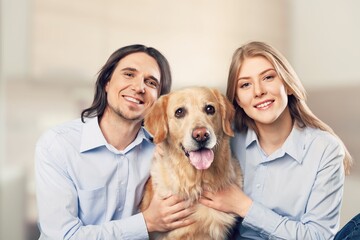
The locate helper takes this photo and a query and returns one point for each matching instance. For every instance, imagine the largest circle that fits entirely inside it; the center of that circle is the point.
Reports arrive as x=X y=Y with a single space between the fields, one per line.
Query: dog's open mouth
x=201 y=159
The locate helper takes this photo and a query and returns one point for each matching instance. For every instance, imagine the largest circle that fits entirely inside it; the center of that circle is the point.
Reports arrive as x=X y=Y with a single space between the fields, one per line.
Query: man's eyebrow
x=135 y=70
x=129 y=69
x=154 y=78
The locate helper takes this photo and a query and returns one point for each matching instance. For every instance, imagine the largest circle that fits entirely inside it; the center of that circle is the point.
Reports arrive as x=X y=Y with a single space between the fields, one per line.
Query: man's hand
x=165 y=214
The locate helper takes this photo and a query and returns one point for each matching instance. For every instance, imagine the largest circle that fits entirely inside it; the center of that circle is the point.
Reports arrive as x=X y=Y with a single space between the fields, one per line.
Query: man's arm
x=58 y=208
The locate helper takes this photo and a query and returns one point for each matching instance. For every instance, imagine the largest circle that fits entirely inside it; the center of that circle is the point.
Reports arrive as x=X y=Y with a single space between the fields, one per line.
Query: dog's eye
x=180 y=112
x=209 y=109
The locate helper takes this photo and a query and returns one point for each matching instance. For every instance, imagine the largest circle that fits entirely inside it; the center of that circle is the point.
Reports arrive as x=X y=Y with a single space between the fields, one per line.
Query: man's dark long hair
x=100 y=98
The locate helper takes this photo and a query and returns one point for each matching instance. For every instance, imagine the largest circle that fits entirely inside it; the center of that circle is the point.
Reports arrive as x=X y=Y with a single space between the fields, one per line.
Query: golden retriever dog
x=193 y=127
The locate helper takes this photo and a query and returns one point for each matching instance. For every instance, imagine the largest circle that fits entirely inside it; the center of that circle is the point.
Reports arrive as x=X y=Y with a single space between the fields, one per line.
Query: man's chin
x=132 y=117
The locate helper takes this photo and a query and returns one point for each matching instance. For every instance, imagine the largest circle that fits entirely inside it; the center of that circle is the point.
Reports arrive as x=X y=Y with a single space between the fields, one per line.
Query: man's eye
x=209 y=109
x=152 y=83
x=180 y=112
x=128 y=74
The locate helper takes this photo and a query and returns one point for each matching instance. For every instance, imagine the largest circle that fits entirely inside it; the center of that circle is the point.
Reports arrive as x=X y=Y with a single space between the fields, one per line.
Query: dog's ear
x=227 y=112
x=156 y=120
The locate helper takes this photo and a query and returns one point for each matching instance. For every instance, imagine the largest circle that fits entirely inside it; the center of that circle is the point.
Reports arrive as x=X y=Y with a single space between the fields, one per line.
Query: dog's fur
x=184 y=121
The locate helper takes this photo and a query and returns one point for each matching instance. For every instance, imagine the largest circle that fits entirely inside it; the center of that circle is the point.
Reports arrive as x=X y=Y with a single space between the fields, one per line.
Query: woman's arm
x=320 y=219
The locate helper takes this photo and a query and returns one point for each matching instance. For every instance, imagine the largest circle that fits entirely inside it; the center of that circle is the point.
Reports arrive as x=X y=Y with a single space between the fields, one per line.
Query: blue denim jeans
x=351 y=230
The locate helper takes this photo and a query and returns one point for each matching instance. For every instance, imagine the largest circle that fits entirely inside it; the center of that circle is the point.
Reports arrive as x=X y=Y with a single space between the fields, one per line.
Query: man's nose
x=138 y=85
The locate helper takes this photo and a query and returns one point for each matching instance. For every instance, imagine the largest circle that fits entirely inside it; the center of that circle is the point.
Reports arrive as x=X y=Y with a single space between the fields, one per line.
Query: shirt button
x=258 y=185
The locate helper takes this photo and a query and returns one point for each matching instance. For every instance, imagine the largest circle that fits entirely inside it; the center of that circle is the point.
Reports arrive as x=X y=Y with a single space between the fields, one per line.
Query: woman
x=293 y=163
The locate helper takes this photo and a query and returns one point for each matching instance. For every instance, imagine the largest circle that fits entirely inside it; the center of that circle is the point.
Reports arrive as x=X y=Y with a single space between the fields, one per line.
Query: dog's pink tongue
x=201 y=159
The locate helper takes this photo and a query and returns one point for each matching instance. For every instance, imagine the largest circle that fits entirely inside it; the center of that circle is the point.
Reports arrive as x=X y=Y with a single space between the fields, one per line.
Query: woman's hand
x=229 y=200
x=165 y=214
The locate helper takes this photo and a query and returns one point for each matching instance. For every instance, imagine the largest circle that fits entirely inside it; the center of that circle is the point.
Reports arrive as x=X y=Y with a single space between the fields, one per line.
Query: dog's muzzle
x=201 y=158
x=201 y=135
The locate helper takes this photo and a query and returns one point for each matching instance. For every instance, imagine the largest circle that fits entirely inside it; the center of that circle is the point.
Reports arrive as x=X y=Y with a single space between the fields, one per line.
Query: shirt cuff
x=136 y=228
x=261 y=219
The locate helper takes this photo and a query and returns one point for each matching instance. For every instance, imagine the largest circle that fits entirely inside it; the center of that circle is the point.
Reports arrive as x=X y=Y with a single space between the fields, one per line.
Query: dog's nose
x=201 y=134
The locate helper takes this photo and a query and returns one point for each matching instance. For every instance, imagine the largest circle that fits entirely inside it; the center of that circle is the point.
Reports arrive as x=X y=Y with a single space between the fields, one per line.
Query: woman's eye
x=209 y=109
x=245 y=85
x=268 y=77
x=180 y=113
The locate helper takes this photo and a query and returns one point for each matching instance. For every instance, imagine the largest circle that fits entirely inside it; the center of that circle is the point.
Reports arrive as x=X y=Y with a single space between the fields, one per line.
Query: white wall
x=324 y=42
x=74 y=38
x=2 y=94
x=15 y=38
x=14 y=48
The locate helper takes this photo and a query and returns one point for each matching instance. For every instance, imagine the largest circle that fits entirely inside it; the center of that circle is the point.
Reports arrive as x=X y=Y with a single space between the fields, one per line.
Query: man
x=90 y=172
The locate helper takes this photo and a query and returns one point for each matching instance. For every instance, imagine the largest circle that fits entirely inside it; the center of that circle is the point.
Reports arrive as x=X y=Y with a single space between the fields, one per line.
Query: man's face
x=133 y=87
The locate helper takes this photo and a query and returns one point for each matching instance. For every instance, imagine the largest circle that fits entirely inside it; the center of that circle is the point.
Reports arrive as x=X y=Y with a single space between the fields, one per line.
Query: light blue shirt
x=297 y=190
x=87 y=189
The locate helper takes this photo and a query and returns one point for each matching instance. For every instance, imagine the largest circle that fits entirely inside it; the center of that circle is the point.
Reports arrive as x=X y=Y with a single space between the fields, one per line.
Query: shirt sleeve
x=58 y=205
x=321 y=217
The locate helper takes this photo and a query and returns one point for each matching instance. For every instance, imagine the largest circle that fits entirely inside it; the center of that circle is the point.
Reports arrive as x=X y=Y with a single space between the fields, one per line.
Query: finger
x=206 y=202
x=163 y=196
x=182 y=214
x=172 y=200
x=207 y=194
x=177 y=219
x=181 y=223
x=181 y=206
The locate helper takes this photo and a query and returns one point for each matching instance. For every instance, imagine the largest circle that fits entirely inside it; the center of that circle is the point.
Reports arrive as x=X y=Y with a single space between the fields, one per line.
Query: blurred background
x=51 y=51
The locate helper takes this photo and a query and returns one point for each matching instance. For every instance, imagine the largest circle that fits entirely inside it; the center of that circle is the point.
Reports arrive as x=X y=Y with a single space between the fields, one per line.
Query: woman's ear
x=288 y=90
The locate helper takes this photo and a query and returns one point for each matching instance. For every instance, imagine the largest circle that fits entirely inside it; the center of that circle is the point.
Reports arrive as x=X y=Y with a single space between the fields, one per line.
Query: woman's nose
x=259 y=90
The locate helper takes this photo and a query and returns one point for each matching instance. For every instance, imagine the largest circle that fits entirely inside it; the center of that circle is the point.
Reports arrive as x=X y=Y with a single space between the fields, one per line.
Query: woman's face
x=261 y=93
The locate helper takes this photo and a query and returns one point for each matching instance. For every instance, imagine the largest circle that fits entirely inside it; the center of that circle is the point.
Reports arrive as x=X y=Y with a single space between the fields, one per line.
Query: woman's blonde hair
x=299 y=110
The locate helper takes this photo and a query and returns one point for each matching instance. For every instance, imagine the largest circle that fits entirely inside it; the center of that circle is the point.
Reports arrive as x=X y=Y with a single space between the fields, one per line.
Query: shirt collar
x=250 y=137
x=92 y=137
x=294 y=145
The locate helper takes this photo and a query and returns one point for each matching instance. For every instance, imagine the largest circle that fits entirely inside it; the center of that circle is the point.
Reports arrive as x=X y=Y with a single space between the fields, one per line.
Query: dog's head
x=192 y=120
